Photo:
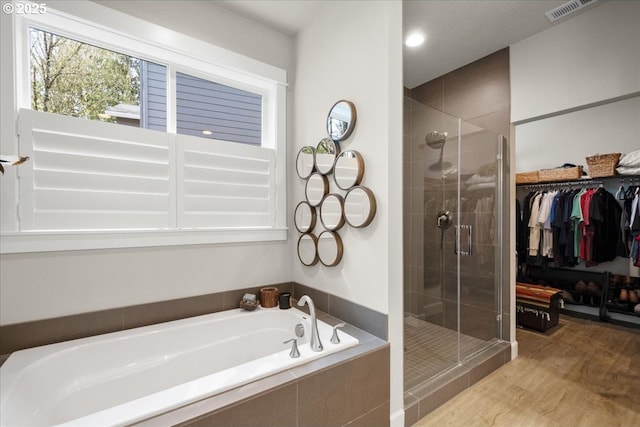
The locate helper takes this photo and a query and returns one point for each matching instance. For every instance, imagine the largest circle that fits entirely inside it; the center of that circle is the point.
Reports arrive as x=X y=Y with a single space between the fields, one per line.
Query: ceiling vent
x=567 y=9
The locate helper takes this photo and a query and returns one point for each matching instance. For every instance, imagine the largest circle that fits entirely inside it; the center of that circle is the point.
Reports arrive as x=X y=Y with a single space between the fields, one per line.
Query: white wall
x=43 y=285
x=213 y=24
x=548 y=143
x=339 y=64
x=592 y=57
x=353 y=51
x=575 y=88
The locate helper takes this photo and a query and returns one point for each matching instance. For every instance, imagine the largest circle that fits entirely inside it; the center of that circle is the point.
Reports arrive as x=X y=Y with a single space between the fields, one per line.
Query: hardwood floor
x=580 y=373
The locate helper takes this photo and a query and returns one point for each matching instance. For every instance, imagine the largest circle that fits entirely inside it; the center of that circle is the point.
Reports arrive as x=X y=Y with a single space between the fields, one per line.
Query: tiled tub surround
x=130 y=376
x=346 y=388
x=31 y=334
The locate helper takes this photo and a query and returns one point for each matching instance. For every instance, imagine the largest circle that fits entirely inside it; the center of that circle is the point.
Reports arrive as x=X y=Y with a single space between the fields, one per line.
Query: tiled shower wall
x=479 y=94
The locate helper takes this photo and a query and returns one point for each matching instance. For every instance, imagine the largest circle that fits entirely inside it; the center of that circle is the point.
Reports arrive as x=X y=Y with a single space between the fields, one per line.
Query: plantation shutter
x=89 y=175
x=225 y=184
x=86 y=175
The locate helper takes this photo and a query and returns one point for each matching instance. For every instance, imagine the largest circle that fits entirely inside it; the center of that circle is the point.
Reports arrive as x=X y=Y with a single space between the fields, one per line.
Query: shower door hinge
x=464 y=237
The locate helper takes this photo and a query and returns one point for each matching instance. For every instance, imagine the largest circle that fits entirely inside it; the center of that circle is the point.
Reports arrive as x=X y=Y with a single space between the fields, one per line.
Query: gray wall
x=153 y=96
x=231 y=114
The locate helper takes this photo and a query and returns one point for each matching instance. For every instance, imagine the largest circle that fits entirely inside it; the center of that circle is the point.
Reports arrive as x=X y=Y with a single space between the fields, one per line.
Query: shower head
x=436 y=139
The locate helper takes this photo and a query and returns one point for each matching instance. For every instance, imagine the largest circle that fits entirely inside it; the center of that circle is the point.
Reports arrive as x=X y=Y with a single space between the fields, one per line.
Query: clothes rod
x=567 y=184
x=591 y=182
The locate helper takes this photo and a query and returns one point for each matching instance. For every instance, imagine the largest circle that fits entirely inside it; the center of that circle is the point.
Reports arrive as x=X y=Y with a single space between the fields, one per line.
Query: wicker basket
x=527 y=177
x=560 y=174
x=602 y=165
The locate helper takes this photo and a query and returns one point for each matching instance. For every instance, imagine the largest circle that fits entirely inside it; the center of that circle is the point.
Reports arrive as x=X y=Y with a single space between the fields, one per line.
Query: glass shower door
x=453 y=287
x=431 y=323
x=479 y=253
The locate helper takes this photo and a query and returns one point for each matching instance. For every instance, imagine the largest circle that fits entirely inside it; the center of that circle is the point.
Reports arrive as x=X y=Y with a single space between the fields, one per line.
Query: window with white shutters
x=204 y=163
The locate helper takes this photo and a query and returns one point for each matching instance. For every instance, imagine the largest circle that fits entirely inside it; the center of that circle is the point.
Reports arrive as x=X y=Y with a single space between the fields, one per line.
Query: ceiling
x=458 y=32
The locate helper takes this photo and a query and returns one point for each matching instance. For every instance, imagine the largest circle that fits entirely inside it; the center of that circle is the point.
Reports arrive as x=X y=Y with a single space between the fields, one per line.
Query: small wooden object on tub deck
x=269 y=297
x=527 y=177
x=603 y=165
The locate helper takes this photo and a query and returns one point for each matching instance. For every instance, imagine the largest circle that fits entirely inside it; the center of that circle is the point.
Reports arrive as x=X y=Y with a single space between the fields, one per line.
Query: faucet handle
x=294 y=353
x=335 y=339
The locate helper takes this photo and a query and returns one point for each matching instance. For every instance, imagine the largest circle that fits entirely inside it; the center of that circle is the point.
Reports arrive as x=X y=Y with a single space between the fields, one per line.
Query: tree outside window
x=79 y=80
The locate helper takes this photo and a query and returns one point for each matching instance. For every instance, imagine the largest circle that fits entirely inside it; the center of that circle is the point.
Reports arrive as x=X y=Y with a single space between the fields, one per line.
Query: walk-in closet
x=582 y=237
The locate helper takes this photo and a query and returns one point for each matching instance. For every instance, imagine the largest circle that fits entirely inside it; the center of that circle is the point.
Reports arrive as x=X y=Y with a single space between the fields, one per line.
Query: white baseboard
x=397 y=419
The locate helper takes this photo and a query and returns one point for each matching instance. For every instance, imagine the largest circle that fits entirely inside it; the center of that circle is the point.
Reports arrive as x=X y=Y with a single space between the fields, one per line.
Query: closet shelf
x=585 y=182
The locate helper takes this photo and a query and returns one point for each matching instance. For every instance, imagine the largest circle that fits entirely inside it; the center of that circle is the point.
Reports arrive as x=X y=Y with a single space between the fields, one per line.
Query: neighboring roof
x=126 y=111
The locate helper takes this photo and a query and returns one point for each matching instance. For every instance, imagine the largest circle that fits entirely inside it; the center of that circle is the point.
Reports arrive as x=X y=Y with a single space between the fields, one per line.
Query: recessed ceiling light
x=414 y=39
x=207 y=132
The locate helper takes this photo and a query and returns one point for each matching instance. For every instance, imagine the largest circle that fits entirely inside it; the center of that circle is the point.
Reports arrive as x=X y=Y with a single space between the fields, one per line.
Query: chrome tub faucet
x=316 y=344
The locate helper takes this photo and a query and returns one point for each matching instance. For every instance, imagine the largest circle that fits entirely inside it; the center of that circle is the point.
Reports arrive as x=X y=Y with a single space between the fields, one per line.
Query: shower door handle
x=464 y=235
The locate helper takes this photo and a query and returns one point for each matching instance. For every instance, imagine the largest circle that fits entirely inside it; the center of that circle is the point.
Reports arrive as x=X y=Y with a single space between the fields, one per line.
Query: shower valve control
x=444 y=219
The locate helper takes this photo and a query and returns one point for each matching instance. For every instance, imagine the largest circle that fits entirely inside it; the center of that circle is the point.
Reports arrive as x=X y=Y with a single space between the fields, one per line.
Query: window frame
x=105 y=28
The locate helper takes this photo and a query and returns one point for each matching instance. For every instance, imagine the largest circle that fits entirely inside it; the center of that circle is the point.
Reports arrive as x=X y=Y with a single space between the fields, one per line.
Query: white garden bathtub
x=124 y=377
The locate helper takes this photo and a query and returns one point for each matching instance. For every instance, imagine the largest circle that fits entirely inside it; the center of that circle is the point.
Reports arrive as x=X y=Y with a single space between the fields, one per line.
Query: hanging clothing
x=561 y=223
x=583 y=225
x=534 y=226
x=586 y=244
x=523 y=245
x=634 y=228
x=576 y=219
x=605 y=214
x=566 y=234
x=544 y=219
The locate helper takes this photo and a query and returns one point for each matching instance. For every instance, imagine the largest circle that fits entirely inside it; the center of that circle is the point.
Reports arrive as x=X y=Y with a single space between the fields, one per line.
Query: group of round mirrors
x=356 y=207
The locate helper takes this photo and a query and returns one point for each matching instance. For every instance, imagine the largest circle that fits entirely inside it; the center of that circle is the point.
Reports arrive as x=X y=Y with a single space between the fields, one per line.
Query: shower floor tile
x=430 y=349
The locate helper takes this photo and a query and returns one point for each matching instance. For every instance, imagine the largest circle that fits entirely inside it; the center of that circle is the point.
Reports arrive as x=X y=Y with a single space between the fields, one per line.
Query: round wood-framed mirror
x=348 y=170
x=306 y=162
x=359 y=207
x=304 y=217
x=341 y=120
x=326 y=153
x=308 y=249
x=316 y=188
x=330 y=248
x=332 y=212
